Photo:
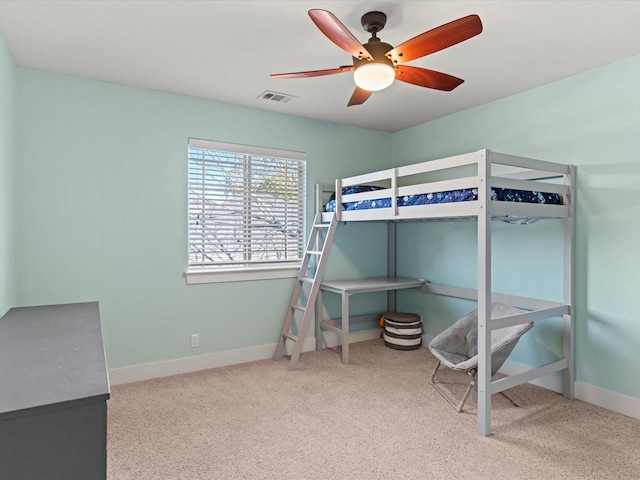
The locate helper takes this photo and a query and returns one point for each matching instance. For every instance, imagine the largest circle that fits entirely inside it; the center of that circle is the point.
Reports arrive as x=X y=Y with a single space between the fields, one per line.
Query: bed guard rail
x=511 y=172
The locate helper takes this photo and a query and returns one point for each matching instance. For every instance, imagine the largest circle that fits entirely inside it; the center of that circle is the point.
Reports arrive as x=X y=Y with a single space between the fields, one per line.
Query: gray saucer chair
x=457 y=347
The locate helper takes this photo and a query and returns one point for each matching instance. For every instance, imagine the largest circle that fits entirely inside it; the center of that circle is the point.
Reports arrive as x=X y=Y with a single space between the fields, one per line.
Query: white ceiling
x=226 y=50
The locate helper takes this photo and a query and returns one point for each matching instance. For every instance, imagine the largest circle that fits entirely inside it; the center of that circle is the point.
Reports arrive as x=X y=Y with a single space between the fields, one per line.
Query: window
x=246 y=212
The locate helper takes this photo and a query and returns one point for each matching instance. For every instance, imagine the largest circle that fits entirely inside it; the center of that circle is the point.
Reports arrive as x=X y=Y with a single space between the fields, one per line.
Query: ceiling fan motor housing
x=373 y=22
x=378 y=51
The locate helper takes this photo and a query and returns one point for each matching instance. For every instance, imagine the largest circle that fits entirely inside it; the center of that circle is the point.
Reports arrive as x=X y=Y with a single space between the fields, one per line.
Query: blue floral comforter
x=464 y=195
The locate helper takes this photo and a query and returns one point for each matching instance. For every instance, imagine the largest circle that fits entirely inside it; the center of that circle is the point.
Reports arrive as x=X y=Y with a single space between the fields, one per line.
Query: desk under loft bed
x=484 y=186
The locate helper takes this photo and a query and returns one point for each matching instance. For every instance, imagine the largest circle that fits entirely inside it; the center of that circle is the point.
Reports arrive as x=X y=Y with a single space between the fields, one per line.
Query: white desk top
x=364 y=285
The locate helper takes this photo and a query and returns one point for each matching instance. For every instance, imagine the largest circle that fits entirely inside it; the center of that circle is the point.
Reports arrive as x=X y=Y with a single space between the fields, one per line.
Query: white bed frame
x=488 y=169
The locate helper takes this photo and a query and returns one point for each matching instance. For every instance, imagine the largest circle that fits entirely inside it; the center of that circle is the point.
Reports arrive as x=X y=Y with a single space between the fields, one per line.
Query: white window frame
x=241 y=271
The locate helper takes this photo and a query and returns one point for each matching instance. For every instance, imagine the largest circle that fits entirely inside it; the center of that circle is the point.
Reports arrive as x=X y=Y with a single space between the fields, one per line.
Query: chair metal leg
x=433 y=375
x=459 y=406
x=473 y=373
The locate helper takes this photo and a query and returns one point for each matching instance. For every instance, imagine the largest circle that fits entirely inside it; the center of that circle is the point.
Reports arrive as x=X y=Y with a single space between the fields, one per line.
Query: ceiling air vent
x=276 y=97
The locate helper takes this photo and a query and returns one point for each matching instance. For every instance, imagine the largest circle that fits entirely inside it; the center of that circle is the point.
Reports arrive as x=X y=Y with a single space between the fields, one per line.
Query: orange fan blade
x=360 y=95
x=427 y=78
x=313 y=73
x=437 y=39
x=338 y=33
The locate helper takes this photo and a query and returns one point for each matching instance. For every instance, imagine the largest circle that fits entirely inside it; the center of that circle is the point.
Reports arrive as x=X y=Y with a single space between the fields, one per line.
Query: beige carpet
x=376 y=418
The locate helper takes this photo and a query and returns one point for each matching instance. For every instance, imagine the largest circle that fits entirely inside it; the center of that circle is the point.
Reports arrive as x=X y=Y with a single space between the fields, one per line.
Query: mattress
x=463 y=195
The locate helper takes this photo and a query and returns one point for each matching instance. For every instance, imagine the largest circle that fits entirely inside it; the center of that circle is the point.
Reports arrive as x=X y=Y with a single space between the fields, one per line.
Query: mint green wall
x=8 y=154
x=102 y=211
x=593 y=121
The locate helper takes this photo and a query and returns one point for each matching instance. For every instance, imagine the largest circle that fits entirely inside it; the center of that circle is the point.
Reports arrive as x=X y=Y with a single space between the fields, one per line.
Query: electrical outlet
x=195 y=340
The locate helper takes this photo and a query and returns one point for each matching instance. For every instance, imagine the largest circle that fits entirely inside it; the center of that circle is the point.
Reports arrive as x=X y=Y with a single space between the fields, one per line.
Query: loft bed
x=485 y=186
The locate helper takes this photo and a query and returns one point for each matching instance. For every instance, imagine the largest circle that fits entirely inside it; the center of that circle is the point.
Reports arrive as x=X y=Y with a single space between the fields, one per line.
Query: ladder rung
x=300 y=308
x=314 y=252
x=322 y=225
x=306 y=279
x=291 y=336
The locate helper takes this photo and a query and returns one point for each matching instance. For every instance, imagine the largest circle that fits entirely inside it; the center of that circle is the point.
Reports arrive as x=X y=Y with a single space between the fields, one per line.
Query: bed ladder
x=305 y=292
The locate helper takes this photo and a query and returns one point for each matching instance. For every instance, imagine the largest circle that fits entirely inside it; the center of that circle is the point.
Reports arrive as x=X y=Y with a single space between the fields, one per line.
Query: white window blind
x=246 y=207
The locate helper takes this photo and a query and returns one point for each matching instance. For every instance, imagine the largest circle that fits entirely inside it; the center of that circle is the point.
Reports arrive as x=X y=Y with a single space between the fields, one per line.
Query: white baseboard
x=616 y=402
x=147 y=371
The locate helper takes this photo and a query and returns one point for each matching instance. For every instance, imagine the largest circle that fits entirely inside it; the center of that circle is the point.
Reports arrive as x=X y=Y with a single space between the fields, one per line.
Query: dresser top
x=51 y=355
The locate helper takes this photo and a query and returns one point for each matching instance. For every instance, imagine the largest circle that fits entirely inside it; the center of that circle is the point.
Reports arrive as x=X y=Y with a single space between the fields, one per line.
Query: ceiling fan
x=376 y=64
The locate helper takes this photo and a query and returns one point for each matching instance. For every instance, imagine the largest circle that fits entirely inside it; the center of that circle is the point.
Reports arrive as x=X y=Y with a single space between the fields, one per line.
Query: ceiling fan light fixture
x=373 y=76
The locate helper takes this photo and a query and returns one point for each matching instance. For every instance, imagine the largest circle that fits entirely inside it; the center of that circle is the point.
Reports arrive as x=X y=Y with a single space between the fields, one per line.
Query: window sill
x=265 y=273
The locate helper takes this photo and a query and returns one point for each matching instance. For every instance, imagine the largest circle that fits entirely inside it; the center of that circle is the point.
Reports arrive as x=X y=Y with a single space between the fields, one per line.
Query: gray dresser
x=53 y=393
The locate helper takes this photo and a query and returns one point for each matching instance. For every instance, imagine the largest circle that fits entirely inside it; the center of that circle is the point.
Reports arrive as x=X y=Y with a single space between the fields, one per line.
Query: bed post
x=484 y=294
x=569 y=319
x=394 y=192
x=338 y=195
x=391 y=263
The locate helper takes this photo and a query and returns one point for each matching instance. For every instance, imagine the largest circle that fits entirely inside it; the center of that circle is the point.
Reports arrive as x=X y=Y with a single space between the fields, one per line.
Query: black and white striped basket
x=402 y=331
